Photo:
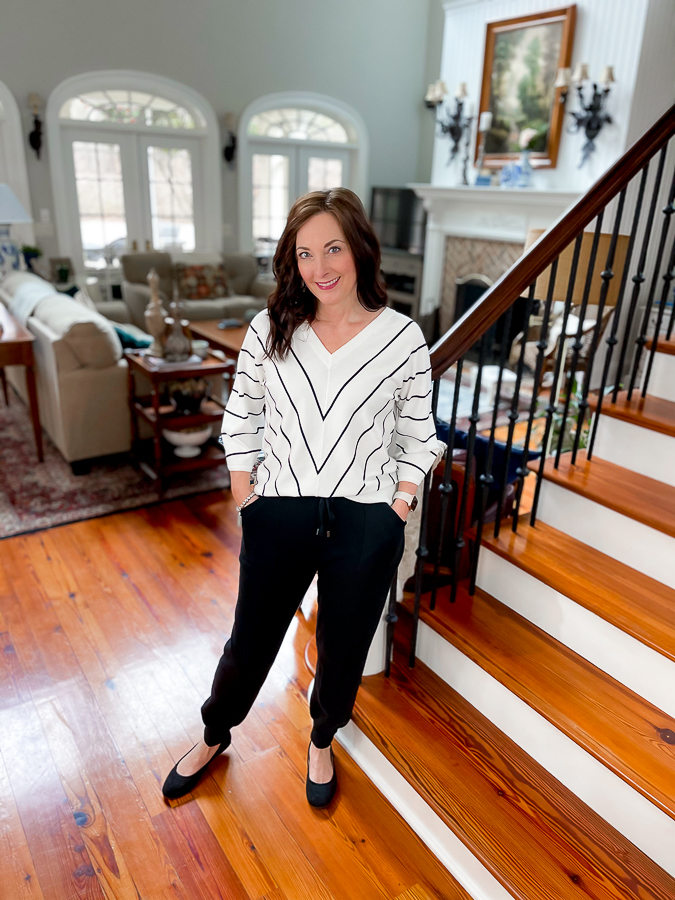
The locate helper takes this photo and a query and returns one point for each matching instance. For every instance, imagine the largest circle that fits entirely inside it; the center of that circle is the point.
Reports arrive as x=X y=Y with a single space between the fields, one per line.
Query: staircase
x=526 y=725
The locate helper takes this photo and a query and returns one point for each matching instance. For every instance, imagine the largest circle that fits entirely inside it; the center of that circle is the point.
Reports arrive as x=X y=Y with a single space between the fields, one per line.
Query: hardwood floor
x=110 y=630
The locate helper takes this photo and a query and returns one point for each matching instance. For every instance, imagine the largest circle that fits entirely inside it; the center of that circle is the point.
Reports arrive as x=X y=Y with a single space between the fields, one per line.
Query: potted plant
x=30 y=253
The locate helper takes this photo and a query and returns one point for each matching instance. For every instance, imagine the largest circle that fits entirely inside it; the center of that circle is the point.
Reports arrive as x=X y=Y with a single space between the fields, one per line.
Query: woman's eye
x=303 y=254
x=330 y=249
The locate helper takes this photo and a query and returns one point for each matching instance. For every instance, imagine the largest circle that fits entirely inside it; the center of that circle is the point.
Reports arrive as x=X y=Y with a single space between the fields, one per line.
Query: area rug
x=37 y=495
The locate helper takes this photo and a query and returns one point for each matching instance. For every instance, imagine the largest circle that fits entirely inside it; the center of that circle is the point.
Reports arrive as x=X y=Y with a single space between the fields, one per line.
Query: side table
x=16 y=349
x=155 y=455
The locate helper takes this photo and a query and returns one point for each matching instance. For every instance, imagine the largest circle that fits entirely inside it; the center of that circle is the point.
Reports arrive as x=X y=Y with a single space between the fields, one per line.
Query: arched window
x=291 y=144
x=136 y=167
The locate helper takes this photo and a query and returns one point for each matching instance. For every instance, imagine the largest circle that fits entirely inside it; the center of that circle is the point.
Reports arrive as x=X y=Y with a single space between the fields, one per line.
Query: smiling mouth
x=327 y=285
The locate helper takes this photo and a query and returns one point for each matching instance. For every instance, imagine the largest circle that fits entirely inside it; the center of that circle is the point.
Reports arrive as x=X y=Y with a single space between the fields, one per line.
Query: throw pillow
x=132 y=337
x=202 y=282
x=83 y=297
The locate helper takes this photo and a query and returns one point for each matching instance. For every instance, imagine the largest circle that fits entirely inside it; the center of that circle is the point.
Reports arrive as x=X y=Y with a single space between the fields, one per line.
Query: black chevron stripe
x=356 y=446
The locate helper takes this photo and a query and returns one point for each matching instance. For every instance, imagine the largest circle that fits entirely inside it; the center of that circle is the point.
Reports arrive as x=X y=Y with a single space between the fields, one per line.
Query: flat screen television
x=399 y=219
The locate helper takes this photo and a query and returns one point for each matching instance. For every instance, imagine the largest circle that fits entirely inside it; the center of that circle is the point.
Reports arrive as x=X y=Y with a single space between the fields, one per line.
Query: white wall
x=635 y=36
x=369 y=54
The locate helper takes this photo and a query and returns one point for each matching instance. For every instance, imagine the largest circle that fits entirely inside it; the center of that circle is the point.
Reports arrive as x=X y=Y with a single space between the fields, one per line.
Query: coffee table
x=16 y=349
x=229 y=340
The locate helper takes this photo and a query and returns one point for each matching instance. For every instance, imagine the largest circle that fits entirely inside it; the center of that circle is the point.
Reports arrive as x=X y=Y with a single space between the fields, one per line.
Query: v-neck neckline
x=347 y=347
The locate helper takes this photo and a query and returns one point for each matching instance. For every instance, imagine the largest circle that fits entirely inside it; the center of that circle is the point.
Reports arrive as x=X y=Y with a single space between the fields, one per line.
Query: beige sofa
x=250 y=291
x=80 y=372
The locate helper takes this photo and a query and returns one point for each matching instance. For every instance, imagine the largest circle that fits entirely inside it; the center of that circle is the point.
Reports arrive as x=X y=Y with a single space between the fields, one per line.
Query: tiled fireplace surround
x=477 y=231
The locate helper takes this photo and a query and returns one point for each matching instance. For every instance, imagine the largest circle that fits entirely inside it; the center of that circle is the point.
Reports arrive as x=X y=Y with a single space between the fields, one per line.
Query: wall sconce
x=435 y=94
x=562 y=80
x=457 y=125
x=35 y=137
x=592 y=116
x=230 y=148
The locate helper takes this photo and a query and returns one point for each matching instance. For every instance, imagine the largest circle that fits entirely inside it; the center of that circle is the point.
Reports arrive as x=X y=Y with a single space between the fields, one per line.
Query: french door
x=282 y=172
x=131 y=191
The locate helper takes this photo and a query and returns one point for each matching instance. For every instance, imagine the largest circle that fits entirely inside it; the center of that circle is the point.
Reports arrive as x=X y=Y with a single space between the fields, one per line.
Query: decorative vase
x=177 y=346
x=155 y=316
x=525 y=174
x=188 y=442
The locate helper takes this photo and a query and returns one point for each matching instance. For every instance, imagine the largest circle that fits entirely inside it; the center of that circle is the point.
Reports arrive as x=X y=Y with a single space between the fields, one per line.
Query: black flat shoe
x=176 y=785
x=320 y=795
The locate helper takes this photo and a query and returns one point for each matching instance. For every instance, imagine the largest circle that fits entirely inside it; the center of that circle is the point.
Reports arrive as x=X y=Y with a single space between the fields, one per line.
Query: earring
x=304 y=286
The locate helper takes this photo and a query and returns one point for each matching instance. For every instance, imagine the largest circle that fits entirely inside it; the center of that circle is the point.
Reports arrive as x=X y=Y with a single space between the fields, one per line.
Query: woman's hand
x=401 y=508
x=241 y=487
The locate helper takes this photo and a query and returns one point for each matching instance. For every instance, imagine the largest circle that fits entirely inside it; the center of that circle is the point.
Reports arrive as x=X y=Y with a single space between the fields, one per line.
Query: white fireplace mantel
x=487 y=213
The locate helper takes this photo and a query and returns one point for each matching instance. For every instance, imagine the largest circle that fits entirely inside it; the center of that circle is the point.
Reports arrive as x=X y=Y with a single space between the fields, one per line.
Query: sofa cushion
x=202 y=282
x=242 y=269
x=89 y=335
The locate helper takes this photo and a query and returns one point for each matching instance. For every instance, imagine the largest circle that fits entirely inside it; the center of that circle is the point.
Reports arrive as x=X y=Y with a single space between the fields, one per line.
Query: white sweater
x=347 y=424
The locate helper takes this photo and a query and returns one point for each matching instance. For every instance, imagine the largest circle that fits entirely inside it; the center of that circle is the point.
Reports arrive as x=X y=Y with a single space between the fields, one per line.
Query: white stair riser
x=443 y=843
x=638 y=546
x=628 y=811
x=630 y=662
x=635 y=448
x=662 y=379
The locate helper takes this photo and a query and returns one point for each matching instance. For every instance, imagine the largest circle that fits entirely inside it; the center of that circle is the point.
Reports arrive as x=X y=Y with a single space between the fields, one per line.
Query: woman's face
x=325 y=261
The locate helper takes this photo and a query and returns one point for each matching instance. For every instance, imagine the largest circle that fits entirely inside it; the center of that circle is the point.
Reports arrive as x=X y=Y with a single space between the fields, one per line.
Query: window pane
x=171 y=200
x=270 y=195
x=324 y=174
x=100 y=201
x=298 y=124
x=127 y=108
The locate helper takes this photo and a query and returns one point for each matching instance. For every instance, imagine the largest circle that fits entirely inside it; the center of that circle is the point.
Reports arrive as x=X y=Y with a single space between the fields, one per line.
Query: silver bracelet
x=244 y=502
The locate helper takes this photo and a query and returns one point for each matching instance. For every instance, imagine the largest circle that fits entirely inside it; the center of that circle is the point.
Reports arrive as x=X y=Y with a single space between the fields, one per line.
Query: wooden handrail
x=497 y=299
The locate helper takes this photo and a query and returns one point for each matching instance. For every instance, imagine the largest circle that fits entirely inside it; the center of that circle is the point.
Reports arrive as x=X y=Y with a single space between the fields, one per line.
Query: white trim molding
x=128 y=79
x=343 y=112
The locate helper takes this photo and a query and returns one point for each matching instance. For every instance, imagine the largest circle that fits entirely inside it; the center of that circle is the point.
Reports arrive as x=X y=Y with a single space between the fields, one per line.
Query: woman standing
x=335 y=388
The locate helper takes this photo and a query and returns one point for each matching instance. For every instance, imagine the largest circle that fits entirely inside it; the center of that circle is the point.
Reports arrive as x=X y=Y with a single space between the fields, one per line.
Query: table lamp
x=11 y=213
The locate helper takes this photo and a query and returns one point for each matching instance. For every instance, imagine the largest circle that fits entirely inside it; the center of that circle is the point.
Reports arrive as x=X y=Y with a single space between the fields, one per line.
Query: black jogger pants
x=355 y=548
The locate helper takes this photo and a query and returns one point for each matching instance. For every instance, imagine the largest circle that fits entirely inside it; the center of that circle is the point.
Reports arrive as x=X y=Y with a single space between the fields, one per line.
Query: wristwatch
x=410 y=499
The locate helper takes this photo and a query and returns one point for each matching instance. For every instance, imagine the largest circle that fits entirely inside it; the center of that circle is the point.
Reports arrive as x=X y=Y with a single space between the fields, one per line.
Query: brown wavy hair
x=289 y=306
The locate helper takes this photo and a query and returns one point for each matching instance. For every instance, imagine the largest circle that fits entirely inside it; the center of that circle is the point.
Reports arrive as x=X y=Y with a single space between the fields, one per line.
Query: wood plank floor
x=110 y=630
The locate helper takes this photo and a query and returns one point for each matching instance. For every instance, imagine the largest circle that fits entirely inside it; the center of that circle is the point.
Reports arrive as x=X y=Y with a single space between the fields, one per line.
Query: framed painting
x=522 y=57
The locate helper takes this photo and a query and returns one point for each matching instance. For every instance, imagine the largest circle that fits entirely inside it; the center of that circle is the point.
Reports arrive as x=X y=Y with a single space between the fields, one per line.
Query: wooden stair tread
x=654 y=413
x=641 y=498
x=663 y=346
x=633 y=602
x=623 y=731
x=535 y=836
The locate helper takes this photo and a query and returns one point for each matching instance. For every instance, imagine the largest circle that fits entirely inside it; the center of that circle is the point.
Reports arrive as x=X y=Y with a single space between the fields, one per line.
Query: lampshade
x=580 y=73
x=565 y=265
x=11 y=210
x=563 y=78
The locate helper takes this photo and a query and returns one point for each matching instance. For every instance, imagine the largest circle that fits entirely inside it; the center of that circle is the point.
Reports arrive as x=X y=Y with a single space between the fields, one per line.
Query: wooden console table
x=16 y=349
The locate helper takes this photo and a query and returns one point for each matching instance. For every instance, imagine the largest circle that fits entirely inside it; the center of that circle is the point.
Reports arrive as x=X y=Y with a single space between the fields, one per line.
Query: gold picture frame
x=522 y=57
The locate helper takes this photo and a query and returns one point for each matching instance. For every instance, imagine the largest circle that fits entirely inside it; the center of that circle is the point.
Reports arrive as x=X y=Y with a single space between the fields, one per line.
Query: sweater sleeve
x=244 y=417
x=414 y=443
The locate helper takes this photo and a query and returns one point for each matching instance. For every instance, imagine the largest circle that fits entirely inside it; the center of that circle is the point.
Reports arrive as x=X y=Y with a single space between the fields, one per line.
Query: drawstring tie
x=326 y=517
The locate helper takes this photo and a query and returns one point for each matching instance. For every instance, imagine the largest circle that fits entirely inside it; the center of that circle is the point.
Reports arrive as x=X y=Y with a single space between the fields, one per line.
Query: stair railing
x=495 y=444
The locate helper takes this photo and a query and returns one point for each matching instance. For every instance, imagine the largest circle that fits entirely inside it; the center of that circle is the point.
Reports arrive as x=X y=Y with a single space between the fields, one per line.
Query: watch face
x=413 y=505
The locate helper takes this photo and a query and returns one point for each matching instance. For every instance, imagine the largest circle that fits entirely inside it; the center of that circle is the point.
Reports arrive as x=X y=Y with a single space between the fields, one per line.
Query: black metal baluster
x=470 y=446
x=641 y=339
x=562 y=349
x=607 y=276
x=487 y=479
x=542 y=343
x=639 y=277
x=422 y=553
x=514 y=413
x=446 y=487
x=667 y=278
x=583 y=403
x=391 y=619
x=669 y=332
